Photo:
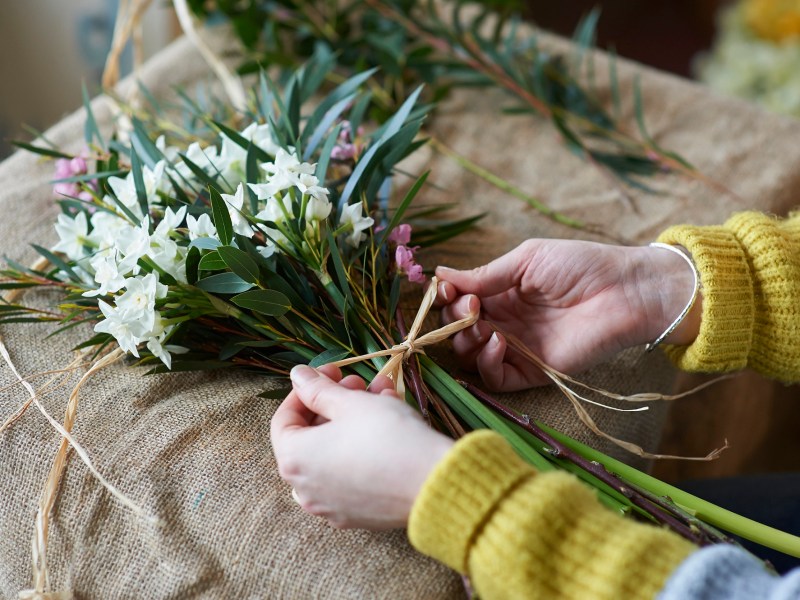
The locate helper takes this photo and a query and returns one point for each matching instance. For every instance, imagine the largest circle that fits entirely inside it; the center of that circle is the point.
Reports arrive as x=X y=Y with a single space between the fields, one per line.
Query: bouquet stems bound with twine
x=264 y=238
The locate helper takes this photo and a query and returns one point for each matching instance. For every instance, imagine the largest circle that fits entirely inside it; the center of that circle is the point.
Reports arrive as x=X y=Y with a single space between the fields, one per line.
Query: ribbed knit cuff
x=461 y=493
x=726 y=329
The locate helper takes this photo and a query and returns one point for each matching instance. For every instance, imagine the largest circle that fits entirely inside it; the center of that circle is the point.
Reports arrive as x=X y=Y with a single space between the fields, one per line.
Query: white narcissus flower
x=318 y=206
x=106 y=229
x=138 y=304
x=261 y=136
x=351 y=215
x=73 y=234
x=272 y=211
x=286 y=170
x=169 y=152
x=133 y=243
x=155 y=342
x=107 y=274
x=205 y=158
x=201 y=227
x=171 y=221
x=125 y=189
x=235 y=204
x=126 y=332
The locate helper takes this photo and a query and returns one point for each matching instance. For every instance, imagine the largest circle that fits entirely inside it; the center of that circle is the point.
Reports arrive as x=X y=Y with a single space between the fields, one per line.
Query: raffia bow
x=400 y=353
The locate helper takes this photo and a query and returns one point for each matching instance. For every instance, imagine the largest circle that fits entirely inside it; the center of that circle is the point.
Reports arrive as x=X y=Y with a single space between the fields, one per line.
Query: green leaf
x=251 y=172
x=211 y=262
x=224 y=283
x=57 y=262
x=39 y=150
x=240 y=263
x=221 y=217
x=324 y=125
x=90 y=129
x=192 y=265
x=401 y=209
x=325 y=155
x=143 y=146
x=138 y=182
x=205 y=243
x=265 y=302
x=328 y=356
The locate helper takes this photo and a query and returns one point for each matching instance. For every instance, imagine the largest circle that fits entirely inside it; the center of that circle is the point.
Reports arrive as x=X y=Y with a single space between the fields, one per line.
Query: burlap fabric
x=194 y=449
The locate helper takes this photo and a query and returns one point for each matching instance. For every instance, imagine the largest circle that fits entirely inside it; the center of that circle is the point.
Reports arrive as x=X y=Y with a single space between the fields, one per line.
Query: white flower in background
x=126 y=332
x=170 y=257
x=265 y=191
x=169 y=152
x=286 y=170
x=267 y=249
x=133 y=243
x=318 y=206
x=155 y=342
x=352 y=215
x=171 y=221
x=272 y=211
x=309 y=184
x=107 y=274
x=235 y=204
x=201 y=227
x=106 y=229
x=205 y=158
x=73 y=235
x=261 y=136
x=125 y=189
x=138 y=303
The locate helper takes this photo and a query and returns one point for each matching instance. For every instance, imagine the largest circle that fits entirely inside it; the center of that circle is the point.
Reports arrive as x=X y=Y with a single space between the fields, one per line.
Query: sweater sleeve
x=522 y=534
x=750 y=273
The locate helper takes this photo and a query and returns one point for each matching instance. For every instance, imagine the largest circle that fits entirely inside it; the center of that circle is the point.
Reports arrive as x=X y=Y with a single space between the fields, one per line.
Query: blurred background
x=50 y=46
x=749 y=48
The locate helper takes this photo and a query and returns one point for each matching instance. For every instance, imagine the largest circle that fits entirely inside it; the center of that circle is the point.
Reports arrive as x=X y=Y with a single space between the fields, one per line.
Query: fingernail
x=441 y=290
x=302 y=374
x=445 y=269
x=494 y=341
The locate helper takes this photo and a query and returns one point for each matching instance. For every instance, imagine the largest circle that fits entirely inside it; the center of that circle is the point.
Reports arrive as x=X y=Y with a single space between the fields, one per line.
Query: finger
x=331 y=371
x=492 y=278
x=354 y=382
x=499 y=369
x=461 y=308
x=445 y=294
x=380 y=384
x=468 y=343
x=320 y=394
x=291 y=415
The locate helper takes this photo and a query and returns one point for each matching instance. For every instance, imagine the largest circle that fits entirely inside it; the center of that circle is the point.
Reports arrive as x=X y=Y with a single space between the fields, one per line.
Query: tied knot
x=399 y=354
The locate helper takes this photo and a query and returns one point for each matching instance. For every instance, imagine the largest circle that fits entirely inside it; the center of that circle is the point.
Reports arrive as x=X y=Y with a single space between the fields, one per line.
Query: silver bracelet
x=652 y=345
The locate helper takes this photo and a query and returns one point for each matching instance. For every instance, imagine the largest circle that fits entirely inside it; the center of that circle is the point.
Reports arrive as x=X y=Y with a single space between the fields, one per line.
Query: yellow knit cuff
x=726 y=329
x=773 y=253
x=460 y=495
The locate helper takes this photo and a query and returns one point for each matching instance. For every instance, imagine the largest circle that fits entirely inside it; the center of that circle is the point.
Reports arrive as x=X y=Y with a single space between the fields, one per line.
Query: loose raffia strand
x=558 y=379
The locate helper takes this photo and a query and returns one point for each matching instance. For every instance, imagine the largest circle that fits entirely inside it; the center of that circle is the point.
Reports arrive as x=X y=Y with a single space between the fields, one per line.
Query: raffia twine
x=42 y=586
x=400 y=354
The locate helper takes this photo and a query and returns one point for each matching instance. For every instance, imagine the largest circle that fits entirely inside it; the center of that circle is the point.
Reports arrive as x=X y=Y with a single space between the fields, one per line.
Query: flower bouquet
x=268 y=238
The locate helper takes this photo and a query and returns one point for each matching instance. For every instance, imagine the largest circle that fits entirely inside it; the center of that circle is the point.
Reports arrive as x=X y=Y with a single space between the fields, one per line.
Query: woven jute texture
x=193 y=449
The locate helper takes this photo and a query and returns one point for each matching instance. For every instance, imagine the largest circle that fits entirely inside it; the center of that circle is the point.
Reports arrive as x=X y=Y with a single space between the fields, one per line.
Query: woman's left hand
x=357 y=458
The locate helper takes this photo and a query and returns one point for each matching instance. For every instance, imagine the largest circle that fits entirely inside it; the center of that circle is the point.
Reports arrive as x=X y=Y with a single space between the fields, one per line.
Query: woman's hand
x=354 y=457
x=572 y=303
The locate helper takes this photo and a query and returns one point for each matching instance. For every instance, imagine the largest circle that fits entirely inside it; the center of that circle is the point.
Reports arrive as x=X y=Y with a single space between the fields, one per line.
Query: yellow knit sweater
x=520 y=534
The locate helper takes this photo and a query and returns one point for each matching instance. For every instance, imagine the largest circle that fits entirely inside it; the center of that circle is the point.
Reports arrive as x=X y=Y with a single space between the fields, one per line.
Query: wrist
x=665 y=284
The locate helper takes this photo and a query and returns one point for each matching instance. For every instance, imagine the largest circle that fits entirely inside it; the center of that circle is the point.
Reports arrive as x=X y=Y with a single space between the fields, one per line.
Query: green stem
x=702 y=509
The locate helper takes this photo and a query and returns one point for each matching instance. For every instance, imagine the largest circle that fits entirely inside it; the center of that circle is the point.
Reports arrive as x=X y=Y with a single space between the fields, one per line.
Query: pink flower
x=404 y=257
x=401 y=235
x=72 y=167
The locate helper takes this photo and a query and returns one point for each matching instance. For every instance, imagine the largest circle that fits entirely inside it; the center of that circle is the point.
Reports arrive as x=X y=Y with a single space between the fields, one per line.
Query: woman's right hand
x=573 y=303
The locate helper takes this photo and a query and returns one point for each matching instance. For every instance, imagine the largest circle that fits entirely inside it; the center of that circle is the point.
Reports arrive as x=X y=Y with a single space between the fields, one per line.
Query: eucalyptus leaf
x=265 y=302
x=224 y=283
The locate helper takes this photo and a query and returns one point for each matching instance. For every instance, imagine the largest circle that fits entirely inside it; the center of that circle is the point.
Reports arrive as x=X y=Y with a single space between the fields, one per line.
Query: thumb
x=316 y=391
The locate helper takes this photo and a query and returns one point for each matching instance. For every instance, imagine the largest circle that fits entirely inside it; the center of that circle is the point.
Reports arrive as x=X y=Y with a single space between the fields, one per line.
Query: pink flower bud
x=401 y=235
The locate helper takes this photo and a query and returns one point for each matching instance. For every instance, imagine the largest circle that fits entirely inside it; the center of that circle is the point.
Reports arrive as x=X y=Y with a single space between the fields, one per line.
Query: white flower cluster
x=745 y=65
x=107 y=247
